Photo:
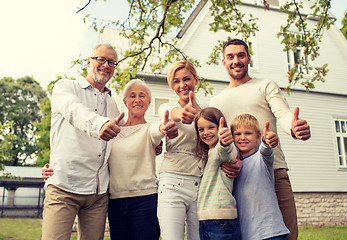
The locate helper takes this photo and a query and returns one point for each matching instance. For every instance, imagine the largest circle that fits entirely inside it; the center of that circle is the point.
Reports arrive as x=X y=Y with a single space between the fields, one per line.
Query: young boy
x=254 y=191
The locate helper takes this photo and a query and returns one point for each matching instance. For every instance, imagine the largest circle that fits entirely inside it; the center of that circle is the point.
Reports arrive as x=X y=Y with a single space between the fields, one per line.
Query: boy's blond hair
x=247 y=120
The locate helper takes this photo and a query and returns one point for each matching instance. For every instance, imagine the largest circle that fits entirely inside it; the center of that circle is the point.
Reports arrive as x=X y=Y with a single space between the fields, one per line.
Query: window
x=341 y=137
x=250 y=49
x=158 y=102
x=293 y=59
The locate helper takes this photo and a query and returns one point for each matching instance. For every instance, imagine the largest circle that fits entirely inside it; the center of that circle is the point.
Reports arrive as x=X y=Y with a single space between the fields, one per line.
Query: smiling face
x=182 y=83
x=137 y=101
x=245 y=139
x=208 y=132
x=236 y=60
x=100 y=74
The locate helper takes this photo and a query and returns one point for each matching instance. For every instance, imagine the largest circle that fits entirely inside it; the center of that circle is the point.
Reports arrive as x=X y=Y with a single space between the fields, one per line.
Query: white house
x=318 y=167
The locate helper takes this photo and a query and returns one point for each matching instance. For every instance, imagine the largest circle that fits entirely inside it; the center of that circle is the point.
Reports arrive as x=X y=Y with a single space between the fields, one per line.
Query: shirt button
x=196 y=183
x=96 y=109
x=99 y=155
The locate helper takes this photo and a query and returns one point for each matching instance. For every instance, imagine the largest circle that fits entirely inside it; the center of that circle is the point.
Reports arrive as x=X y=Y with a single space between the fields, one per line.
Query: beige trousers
x=60 y=210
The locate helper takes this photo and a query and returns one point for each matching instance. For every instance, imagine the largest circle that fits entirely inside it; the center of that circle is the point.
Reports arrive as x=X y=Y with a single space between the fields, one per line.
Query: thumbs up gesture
x=190 y=110
x=110 y=129
x=224 y=134
x=270 y=137
x=168 y=127
x=300 y=129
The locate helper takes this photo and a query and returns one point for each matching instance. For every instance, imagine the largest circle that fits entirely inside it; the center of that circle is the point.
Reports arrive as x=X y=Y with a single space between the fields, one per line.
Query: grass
x=323 y=233
x=30 y=229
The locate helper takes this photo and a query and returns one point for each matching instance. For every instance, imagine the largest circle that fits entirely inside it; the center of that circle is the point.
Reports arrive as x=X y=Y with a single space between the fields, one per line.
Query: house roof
x=191 y=18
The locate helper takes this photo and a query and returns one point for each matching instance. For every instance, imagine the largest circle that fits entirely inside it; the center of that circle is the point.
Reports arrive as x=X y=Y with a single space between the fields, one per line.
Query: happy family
x=223 y=175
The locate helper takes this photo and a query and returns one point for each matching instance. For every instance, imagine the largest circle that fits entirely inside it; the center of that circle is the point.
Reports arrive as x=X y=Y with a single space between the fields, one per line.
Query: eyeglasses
x=102 y=60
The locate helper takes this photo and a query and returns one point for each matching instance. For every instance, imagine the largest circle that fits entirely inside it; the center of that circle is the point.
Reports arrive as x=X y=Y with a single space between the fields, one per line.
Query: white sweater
x=132 y=161
x=263 y=99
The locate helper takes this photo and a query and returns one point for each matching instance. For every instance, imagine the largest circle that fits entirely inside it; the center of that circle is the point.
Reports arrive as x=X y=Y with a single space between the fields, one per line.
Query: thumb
x=296 y=114
x=221 y=123
x=266 y=129
x=166 y=117
x=192 y=99
x=120 y=117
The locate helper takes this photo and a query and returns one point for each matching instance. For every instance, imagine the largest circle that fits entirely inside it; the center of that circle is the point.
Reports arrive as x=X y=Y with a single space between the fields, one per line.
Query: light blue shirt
x=259 y=214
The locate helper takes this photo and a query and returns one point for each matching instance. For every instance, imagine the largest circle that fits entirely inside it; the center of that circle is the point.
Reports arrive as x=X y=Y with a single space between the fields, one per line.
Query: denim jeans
x=134 y=218
x=221 y=229
x=177 y=206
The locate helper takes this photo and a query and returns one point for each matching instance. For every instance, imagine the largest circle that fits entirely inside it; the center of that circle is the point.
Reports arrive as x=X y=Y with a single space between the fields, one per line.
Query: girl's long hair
x=211 y=114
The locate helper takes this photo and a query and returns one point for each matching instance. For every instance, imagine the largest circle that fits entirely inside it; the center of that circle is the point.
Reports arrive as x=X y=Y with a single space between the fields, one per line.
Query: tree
x=150 y=22
x=19 y=107
x=344 y=25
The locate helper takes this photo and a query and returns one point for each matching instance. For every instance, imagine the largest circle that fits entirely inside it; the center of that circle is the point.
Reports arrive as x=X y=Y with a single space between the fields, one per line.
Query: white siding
x=313 y=164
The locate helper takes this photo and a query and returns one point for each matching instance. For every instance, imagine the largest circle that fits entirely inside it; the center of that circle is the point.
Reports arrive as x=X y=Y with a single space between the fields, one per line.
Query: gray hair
x=138 y=82
x=92 y=52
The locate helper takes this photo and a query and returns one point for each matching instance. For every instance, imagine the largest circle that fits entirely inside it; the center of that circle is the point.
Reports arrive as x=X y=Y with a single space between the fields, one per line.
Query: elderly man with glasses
x=85 y=119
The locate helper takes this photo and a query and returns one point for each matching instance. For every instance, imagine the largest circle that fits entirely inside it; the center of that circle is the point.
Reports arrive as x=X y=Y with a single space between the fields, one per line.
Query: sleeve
x=267 y=153
x=279 y=106
x=66 y=103
x=155 y=134
x=224 y=153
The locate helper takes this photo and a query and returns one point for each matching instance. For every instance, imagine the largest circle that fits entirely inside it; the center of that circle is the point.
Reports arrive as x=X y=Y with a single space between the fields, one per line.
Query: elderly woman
x=132 y=209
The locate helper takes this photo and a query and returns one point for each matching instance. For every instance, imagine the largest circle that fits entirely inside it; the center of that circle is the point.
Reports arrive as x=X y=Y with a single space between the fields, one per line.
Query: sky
x=40 y=38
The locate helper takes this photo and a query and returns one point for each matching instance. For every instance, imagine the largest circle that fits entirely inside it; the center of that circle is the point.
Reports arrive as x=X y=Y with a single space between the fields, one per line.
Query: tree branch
x=84 y=6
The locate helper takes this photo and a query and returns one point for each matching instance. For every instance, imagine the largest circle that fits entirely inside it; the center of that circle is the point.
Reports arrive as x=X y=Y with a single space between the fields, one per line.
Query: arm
x=289 y=122
x=67 y=103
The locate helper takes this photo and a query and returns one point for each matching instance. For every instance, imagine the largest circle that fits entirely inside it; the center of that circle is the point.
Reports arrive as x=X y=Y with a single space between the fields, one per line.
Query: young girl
x=217 y=211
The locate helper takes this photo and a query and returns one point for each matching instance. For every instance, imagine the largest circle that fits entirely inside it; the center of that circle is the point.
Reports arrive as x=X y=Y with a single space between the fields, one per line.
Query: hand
x=300 y=129
x=159 y=148
x=232 y=169
x=270 y=137
x=190 y=110
x=168 y=127
x=224 y=134
x=111 y=129
x=46 y=172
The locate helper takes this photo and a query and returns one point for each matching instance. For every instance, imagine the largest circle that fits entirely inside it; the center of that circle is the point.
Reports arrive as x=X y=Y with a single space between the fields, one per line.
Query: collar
x=83 y=82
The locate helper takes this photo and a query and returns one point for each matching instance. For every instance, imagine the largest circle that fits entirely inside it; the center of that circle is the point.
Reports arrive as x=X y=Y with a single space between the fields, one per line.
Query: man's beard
x=236 y=76
x=97 y=77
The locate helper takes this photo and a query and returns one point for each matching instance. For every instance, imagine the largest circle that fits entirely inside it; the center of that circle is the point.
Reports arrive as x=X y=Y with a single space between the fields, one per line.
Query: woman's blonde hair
x=178 y=66
x=247 y=120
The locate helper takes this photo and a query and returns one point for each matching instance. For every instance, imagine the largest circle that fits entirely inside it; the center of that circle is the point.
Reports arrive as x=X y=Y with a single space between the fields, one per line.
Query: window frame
x=341 y=142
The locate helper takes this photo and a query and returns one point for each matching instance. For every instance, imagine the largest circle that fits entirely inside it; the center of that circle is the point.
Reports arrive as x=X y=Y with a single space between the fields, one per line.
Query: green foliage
x=150 y=23
x=305 y=38
x=43 y=129
x=19 y=109
x=344 y=25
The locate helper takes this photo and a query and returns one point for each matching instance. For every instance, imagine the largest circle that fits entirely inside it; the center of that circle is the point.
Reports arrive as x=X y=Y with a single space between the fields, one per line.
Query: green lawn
x=30 y=229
